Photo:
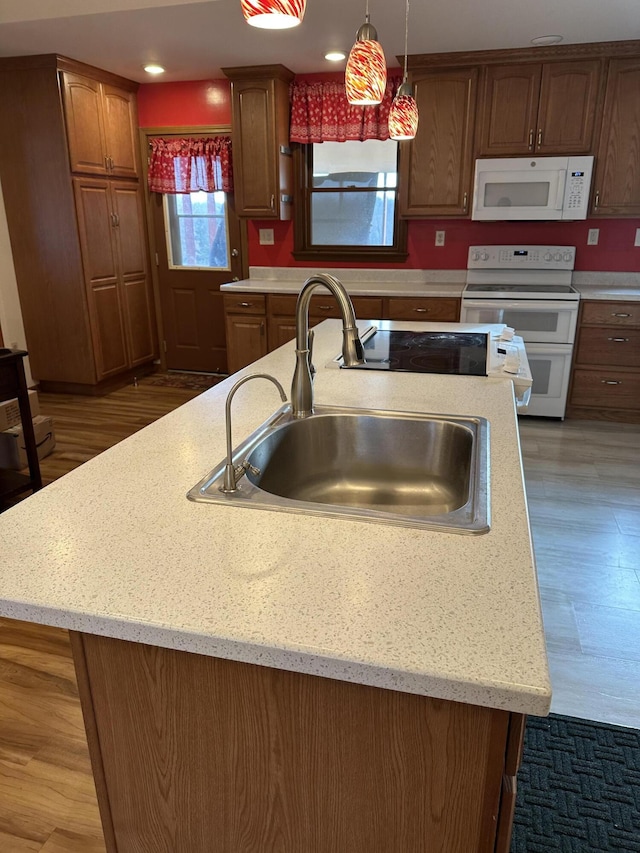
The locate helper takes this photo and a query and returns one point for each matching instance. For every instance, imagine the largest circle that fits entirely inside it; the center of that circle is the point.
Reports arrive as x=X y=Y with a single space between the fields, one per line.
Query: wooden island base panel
x=195 y=754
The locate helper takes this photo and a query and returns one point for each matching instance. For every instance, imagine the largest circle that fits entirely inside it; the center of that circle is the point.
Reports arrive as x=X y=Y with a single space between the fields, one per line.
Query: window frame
x=168 y=200
x=303 y=248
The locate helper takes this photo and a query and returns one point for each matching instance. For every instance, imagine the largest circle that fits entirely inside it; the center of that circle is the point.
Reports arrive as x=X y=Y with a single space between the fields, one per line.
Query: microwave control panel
x=521 y=257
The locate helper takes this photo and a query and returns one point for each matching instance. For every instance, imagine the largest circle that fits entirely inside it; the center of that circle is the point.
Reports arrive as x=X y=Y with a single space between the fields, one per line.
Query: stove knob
x=548 y=256
x=557 y=256
x=568 y=256
x=475 y=256
x=485 y=256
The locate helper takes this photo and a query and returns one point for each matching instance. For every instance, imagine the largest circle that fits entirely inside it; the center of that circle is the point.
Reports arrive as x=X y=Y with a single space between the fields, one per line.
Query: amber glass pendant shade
x=273 y=14
x=365 y=78
x=403 y=115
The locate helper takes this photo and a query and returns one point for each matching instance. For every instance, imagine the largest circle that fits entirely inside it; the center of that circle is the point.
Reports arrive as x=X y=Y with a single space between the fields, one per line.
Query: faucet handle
x=310 y=337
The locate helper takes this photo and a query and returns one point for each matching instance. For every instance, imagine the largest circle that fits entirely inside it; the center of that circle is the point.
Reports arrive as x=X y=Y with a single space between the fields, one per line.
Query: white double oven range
x=529 y=288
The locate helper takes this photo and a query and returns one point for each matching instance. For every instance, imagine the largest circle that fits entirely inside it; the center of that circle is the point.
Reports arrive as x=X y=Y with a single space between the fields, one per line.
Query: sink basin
x=400 y=468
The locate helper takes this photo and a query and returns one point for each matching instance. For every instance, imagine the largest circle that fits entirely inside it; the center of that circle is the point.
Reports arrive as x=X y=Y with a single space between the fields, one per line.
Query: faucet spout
x=231 y=473
x=352 y=352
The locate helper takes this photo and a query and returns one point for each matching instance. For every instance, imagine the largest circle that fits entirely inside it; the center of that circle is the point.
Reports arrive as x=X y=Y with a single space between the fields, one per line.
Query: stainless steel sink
x=428 y=471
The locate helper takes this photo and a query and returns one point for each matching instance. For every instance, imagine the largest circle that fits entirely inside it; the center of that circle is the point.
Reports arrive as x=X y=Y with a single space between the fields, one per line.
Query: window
x=197 y=230
x=348 y=202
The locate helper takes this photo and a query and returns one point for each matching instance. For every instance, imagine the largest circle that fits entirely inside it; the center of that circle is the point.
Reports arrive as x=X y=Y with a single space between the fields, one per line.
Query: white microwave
x=510 y=188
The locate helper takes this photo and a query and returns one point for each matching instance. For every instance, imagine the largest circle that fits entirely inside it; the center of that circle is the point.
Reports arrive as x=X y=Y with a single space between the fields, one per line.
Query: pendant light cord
x=366 y=12
x=406 y=40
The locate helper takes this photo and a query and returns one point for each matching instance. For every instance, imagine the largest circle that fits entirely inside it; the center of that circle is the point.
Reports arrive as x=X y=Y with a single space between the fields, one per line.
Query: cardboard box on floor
x=10 y=411
x=13 y=453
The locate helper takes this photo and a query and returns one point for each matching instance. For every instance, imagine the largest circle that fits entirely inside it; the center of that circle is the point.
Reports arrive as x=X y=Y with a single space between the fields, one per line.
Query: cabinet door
x=120 y=130
x=509 y=109
x=281 y=331
x=254 y=162
x=84 y=123
x=96 y=226
x=568 y=98
x=435 y=170
x=126 y=199
x=617 y=178
x=246 y=340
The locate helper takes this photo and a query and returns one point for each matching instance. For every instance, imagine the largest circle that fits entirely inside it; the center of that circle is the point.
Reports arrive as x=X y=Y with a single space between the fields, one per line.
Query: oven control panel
x=521 y=257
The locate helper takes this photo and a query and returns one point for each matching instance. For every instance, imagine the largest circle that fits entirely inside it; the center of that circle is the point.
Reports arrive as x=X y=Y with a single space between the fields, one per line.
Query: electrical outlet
x=266 y=236
x=594 y=236
x=636 y=242
x=439 y=238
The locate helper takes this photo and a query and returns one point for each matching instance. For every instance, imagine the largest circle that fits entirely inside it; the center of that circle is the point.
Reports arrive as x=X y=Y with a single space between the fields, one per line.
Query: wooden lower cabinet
x=244 y=312
x=194 y=754
x=605 y=383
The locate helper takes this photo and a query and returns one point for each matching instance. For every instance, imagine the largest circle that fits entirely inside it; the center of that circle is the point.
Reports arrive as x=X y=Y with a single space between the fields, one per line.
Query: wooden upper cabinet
x=101 y=127
x=262 y=160
x=617 y=178
x=436 y=166
x=539 y=108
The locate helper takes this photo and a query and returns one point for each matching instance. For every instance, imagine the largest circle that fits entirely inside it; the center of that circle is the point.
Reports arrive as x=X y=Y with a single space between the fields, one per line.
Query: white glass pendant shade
x=403 y=115
x=365 y=78
x=273 y=14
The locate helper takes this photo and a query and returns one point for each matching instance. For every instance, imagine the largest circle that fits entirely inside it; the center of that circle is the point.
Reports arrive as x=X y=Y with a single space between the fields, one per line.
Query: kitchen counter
x=115 y=549
x=358 y=282
x=613 y=286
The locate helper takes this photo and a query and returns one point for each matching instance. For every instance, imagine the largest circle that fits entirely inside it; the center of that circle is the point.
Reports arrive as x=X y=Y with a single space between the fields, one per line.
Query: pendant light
x=403 y=115
x=365 y=78
x=273 y=14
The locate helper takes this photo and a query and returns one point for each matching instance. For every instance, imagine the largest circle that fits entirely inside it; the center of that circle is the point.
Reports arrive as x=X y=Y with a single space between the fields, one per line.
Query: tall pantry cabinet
x=70 y=172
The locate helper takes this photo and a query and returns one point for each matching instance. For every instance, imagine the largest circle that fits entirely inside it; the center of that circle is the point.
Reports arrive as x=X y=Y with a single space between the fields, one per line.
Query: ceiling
x=194 y=40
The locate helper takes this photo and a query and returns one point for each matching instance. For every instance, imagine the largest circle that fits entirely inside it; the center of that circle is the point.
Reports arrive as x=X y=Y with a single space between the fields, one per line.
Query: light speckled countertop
x=359 y=282
x=115 y=548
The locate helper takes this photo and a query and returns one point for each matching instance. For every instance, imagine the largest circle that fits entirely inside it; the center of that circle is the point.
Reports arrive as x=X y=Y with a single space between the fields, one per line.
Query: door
x=534 y=320
x=198 y=244
x=550 y=367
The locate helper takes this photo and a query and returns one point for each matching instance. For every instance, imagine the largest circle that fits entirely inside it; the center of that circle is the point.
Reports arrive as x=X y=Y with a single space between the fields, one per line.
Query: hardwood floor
x=47 y=796
x=583 y=484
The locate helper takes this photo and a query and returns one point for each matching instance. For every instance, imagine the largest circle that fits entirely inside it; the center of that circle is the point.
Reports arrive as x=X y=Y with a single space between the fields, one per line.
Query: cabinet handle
x=262 y=327
x=464 y=201
x=531 y=140
x=539 y=137
x=273 y=202
x=621 y=315
x=106 y=163
x=324 y=307
x=422 y=310
x=115 y=221
x=596 y=200
x=611 y=381
x=245 y=304
x=619 y=340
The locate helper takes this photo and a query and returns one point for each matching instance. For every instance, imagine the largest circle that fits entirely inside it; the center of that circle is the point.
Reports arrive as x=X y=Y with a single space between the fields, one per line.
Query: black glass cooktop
x=459 y=353
x=520 y=288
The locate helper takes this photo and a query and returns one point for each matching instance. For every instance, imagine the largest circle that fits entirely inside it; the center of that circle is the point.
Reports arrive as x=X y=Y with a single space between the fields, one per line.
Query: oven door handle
x=520 y=304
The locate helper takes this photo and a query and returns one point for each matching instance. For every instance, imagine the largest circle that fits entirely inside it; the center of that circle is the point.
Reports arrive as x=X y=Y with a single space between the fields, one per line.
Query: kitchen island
x=262 y=681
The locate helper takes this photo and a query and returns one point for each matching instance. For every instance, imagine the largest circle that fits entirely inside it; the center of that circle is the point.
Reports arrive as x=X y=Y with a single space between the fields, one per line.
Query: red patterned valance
x=188 y=165
x=320 y=112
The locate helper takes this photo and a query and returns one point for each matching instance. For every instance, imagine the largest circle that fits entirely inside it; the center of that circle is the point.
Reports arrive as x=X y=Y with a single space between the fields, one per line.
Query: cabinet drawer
x=366 y=307
x=611 y=313
x=613 y=389
x=619 y=347
x=424 y=309
x=282 y=305
x=245 y=303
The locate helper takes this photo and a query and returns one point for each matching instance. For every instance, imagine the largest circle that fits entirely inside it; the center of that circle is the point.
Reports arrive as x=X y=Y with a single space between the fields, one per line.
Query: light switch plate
x=266 y=236
x=594 y=236
x=636 y=242
x=439 y=238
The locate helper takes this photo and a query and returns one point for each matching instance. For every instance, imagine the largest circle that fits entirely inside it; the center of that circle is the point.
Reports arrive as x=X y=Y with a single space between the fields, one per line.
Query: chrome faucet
x=231 y=473
x=352 y=353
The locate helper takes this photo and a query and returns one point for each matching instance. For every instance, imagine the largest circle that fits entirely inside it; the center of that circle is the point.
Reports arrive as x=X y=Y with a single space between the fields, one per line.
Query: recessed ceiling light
x=153 y=68
x=335 y=56
x=541 y=40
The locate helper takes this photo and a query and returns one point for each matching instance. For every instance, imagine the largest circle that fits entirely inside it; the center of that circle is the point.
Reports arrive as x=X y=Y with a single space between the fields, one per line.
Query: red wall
x=192 y=103
x=614 y=252
x=208 y=102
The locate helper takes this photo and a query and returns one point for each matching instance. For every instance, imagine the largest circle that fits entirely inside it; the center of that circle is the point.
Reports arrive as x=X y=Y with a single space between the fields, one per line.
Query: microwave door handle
x=562 y=182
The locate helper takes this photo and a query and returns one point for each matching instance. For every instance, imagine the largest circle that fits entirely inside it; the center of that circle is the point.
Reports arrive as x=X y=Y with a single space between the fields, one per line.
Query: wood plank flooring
x=583 y=484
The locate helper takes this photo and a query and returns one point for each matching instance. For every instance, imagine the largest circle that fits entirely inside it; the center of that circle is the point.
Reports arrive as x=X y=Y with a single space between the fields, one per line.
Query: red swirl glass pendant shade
x=273 y=14
x=403 y=115
x=365 y=77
